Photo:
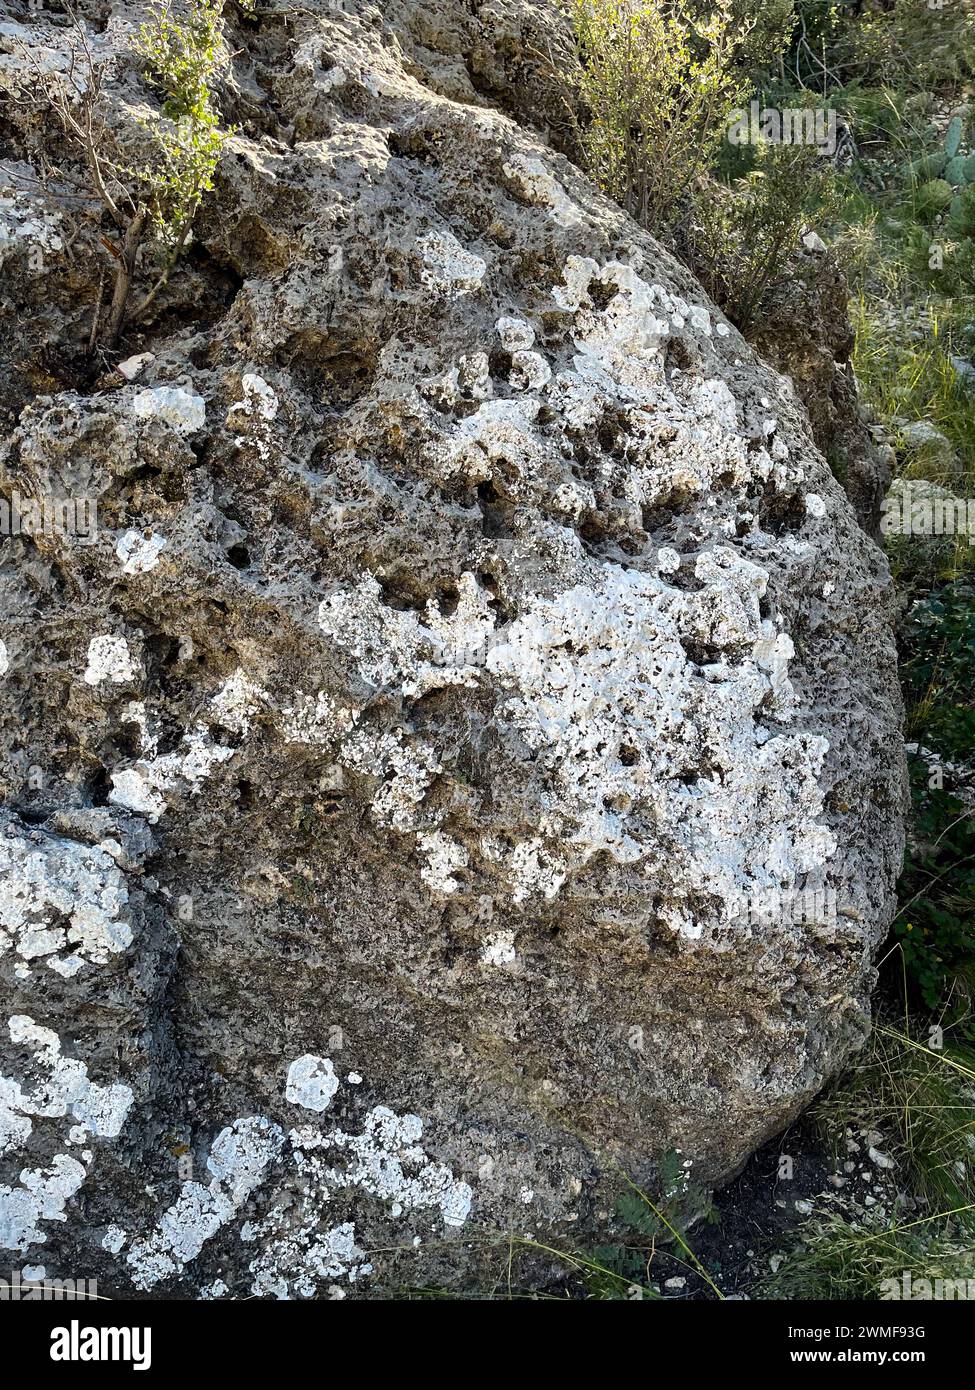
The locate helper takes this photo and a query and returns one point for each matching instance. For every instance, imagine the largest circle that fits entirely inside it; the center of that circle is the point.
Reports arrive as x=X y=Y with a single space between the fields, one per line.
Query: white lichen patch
x=598 y=683
x=296 y=1247
x=25 y=225
x=133 y=789
x=181 y=410
x=54 y=52
x=15 y=1128
x=141 y=788
x=601 y=669
x=773 y=652
x=109 y=659
x=539 y=186
x=535 y=870
x=311 y=1082
x=530 y=371
x=600 y=680
x=334 y=78
x=114 y=1239
x=42 y=1195
x=139 y=552
x=297 y=1257
x=447 y=267
x=232 y=708
x=386 y=1160
x=61 y=903
x=238 y=1161
x=405 y=767
x=499 y=949
x=236 y=703
x=684 y=430
x=218 y=1289
x=63 y=1087
x=444 y=857
x=317 y=720
x=259 y=399
x=499 y=432
x=395 y=648
x=252 y=417
x=515 y=334
x=600 y=688
x=59 y=1088
x=392 y=646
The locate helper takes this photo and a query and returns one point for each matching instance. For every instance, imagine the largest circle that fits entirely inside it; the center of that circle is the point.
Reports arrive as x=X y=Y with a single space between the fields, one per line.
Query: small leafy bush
x=183 y=55
x=657 y=87
x=183 y=58
x=740 y=237
x=902 y=43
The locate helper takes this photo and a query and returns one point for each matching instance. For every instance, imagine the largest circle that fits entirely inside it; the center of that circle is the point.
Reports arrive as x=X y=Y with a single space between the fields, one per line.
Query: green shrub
x=657 y=89
x=902 y=43
x=936 y=924
x=163 y=193
x=931 y=199
x=961 y=216
x=183 y=58
x=740 y=238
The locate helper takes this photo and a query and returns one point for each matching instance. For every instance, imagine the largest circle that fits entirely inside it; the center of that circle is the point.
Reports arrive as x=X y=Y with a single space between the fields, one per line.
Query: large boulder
x=462 y=765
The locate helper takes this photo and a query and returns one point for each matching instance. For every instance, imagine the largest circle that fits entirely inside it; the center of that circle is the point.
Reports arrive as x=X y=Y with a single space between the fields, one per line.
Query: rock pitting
x=409 y=785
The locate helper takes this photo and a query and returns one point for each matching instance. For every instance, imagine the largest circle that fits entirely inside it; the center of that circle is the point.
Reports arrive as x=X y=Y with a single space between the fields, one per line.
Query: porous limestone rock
x=409 y=787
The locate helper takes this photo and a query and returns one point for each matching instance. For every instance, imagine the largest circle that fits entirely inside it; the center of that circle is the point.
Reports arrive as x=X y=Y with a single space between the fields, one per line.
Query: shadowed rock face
x=466 y=758
x=805 y=332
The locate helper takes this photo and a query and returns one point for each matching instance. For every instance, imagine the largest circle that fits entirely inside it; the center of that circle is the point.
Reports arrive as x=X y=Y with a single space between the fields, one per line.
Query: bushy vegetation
x=150 y=190
x=740 y=235
x=183 y=58
x=657 y=87
x=916 y=1090
x=834 y=1260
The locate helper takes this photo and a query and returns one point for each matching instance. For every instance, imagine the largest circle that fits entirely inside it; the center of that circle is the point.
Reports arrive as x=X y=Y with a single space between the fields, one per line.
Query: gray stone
x=965 y=372
x=929 y=454
x=476 y=713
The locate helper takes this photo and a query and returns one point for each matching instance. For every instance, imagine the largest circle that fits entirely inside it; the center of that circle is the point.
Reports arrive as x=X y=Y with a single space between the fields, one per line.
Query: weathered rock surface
x=408 y=788
x=805 y=332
